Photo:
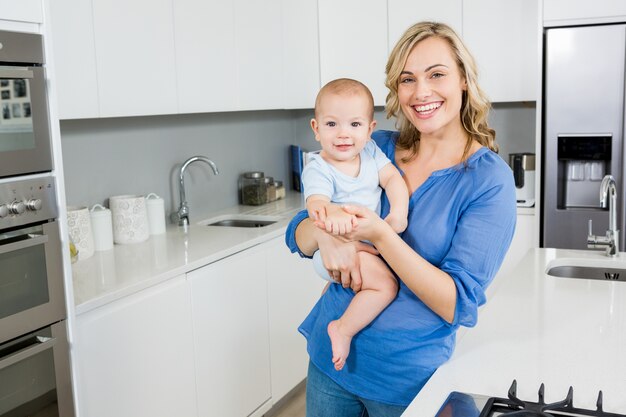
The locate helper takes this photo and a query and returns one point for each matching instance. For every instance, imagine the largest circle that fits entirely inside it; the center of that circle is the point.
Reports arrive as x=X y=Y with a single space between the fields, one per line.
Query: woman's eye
x=356 y=124
x=437 y=75
x=406 y=80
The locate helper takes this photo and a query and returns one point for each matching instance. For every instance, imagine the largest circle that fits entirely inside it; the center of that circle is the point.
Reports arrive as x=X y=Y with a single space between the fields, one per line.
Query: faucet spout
x=608 y=197
x=182 y=215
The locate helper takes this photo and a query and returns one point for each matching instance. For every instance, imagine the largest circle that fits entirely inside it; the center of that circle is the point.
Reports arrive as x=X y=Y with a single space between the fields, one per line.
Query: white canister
x=156 y=214
x=79 y=228
x=130 y=219
x=102 y=227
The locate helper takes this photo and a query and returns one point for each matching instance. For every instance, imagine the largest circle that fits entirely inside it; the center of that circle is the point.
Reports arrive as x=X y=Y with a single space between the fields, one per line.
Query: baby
x=351 y=169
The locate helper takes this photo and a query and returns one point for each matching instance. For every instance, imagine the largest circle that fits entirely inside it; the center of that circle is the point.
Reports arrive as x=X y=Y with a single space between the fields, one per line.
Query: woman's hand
x=341 y=260
x=369 y=226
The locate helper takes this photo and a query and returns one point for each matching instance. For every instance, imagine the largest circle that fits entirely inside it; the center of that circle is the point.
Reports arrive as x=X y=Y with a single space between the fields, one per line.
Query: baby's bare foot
x=340 y=344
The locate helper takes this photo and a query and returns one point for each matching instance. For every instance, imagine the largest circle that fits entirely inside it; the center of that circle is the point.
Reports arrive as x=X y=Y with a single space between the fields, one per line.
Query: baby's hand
x=397 y=223
x=337 y=221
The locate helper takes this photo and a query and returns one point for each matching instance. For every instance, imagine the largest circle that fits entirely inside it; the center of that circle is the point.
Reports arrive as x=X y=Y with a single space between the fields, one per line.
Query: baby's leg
x=379 y=287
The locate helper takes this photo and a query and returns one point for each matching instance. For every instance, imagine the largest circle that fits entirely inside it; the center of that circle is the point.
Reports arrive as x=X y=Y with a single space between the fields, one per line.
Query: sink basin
x=241 y=220
x=595 y=269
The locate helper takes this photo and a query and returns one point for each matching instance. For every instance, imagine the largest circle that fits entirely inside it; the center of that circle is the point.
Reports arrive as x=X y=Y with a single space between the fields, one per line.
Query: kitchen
x=175 y=112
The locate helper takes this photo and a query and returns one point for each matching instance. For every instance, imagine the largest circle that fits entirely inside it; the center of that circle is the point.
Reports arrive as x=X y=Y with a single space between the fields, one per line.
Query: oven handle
x=41 y=344
x=23 y=244
x=15 y=73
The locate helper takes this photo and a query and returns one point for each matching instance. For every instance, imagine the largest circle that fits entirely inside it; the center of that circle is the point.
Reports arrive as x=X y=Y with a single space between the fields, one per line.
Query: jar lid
x=278 y=183
x=254 y=174
x=268 y=180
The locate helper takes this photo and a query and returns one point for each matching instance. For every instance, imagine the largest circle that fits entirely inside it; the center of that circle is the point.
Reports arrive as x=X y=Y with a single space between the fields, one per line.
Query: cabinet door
x=22 y=10
x=404 y=13
x=258 y=69
x=584 y=11
x=524 y=239
x=229 y=299
x=74 y=58
x=135 y=356
x=205 y=55
x=135 y=57
x=353 y=43
x=293 y=289
x=301 y=64
x=503 y=36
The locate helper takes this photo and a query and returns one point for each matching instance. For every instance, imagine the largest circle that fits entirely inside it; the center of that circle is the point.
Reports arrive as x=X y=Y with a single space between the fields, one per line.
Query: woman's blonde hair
x=475 y=104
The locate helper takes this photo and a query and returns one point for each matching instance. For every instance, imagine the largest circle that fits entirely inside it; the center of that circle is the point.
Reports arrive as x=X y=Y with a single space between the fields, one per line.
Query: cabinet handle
x=15 y=73
x=38 y=345
x=32 y=240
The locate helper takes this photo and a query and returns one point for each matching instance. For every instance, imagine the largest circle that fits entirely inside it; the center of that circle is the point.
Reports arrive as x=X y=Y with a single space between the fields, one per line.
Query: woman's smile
x=425 y=111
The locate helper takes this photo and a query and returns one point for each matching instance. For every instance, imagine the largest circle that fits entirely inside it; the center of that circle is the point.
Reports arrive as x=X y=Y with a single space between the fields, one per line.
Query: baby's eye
x=331 y=124
x=356 y=124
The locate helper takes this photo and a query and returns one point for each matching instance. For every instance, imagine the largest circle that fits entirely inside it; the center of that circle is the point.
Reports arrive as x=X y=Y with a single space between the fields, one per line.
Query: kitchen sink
x=241 y=220
x=595 y=269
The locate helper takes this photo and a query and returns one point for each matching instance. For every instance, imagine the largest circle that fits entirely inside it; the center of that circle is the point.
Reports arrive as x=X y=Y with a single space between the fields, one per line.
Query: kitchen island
x=536 y=328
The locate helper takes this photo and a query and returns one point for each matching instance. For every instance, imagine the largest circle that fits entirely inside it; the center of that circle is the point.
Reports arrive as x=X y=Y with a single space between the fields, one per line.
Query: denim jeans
x=324 y=398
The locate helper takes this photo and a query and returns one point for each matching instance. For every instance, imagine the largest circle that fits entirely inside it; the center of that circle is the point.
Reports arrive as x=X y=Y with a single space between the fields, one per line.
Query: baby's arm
x=328 y=216
x=395 y=188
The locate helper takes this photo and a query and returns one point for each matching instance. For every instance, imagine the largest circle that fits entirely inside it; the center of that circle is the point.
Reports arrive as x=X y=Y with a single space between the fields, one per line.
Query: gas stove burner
x=514 y=407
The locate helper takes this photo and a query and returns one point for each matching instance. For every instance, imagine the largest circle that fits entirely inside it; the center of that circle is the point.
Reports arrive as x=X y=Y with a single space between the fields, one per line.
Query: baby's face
x=343 y=125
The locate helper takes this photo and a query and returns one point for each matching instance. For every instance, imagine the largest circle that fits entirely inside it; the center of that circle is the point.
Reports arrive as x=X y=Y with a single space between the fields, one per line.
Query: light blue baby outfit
x=320 y=177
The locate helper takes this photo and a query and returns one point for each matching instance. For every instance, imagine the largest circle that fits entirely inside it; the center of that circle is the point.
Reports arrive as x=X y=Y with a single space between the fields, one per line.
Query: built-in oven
x=25 y=145
x=34 y=355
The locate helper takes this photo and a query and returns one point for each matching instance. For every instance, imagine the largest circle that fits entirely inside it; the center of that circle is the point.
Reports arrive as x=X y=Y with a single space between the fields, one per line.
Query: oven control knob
x=33 y=204
x=17 y=207
x=4 y=211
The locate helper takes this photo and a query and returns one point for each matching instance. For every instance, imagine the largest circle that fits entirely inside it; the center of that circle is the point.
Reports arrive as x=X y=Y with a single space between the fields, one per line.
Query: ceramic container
x=156 y=214
x=79 y=227
x=130 y=219
x=102 y=227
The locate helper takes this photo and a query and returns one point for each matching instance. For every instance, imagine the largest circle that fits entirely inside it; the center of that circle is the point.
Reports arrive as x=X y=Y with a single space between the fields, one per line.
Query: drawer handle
x=39 y=344
x=15 y=73
x=32 y=240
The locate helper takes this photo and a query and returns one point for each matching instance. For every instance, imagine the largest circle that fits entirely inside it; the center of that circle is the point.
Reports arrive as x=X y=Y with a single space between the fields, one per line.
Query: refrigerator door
x=583 y=97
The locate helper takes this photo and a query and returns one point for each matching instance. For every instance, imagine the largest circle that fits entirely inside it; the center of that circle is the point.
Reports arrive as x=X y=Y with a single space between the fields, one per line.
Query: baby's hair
x=345 y=86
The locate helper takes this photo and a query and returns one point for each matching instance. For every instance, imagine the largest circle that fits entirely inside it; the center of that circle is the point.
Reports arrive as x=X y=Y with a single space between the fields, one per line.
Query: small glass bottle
x=280 y=189
x=270 y=189
x=253 y=189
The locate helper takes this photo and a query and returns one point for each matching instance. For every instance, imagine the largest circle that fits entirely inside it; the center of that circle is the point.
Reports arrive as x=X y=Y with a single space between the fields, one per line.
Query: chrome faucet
x=182 y=215
x=608 y=190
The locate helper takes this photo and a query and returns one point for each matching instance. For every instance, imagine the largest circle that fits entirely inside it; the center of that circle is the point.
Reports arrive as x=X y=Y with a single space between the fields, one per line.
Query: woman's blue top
x=461 y=219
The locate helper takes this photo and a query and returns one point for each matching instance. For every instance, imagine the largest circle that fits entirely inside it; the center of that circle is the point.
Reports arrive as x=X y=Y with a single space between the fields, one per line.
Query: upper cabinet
x=30 y=11
x=353 y=43
x=503 y=36
x=402 y=14
x=570 y=12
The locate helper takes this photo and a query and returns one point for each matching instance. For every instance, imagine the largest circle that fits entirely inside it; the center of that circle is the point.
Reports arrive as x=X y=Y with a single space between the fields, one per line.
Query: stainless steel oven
x=34 y=355
x=24 y=124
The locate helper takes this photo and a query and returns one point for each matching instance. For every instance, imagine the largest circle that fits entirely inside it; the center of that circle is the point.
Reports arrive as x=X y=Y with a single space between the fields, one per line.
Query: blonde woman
x=460 y=224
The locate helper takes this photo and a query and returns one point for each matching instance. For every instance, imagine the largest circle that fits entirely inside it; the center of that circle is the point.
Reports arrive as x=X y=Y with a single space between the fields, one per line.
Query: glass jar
x=270 y=189
x=253 y=188
x=280 y=190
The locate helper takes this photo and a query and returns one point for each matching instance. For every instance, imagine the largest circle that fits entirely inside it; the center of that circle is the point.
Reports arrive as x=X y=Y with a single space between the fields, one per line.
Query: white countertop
x=126 y=269
x=538 y=328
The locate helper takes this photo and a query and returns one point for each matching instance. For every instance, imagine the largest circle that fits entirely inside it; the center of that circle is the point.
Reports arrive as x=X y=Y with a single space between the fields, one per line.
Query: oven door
x=35 y=375
x=24 y=125
x=31 y=282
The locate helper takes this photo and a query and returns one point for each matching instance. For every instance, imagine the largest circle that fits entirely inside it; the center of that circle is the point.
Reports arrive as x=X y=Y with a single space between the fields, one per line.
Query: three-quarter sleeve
x=290 y=234
x=480 y=242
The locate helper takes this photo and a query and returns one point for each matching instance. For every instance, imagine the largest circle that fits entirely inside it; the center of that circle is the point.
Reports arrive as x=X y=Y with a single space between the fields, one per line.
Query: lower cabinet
x=220 y=341
x=134 y=357
x=231 y=340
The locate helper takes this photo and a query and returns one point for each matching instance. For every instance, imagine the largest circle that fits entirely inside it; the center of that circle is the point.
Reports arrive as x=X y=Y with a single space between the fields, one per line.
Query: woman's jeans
x=324 y=398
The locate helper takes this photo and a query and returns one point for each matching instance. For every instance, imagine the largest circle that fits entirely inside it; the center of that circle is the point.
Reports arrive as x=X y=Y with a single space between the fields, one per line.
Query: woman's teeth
x=427 y=107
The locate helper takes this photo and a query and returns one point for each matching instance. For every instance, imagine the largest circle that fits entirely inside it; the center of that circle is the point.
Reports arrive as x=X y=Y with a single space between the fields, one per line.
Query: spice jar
x=280 y=190
x=253 y=188
x=270 y=189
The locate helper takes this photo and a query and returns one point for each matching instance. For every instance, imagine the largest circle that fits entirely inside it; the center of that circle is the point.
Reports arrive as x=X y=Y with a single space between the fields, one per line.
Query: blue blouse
x=461 y=219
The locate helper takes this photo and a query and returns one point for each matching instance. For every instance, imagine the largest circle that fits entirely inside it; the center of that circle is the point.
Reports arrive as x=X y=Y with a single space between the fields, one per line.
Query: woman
x=461 y=221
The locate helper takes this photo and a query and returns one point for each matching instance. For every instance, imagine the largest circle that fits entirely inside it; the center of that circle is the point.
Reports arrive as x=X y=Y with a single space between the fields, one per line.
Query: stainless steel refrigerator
x=583 y=131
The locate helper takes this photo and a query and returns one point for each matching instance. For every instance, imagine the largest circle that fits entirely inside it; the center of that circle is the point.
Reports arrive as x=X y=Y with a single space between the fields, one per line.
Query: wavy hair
x=475 y=104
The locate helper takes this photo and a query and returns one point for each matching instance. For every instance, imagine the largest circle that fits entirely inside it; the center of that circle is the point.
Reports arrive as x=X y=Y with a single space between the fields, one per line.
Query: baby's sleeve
x=377 y=154
x=316 y=179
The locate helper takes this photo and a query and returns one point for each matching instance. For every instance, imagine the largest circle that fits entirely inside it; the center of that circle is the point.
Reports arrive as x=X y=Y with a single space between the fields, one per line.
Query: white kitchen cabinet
x=524 y=239
x=74 y=59
x=503 y=37
x=229 y=304
x=572 y=12
x=300 y=49
x=293 y=289
x=135 y=355
x=205 y=55
x=353 y=43
x=402 y=14
x=134 y=43
x=30 y=11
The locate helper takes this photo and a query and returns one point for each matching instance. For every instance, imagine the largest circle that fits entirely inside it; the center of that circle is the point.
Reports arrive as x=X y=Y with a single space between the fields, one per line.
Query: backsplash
x=140 y=155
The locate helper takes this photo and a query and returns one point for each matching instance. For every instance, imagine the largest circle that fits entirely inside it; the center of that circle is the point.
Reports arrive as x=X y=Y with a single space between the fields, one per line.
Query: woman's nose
x=422 y=90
